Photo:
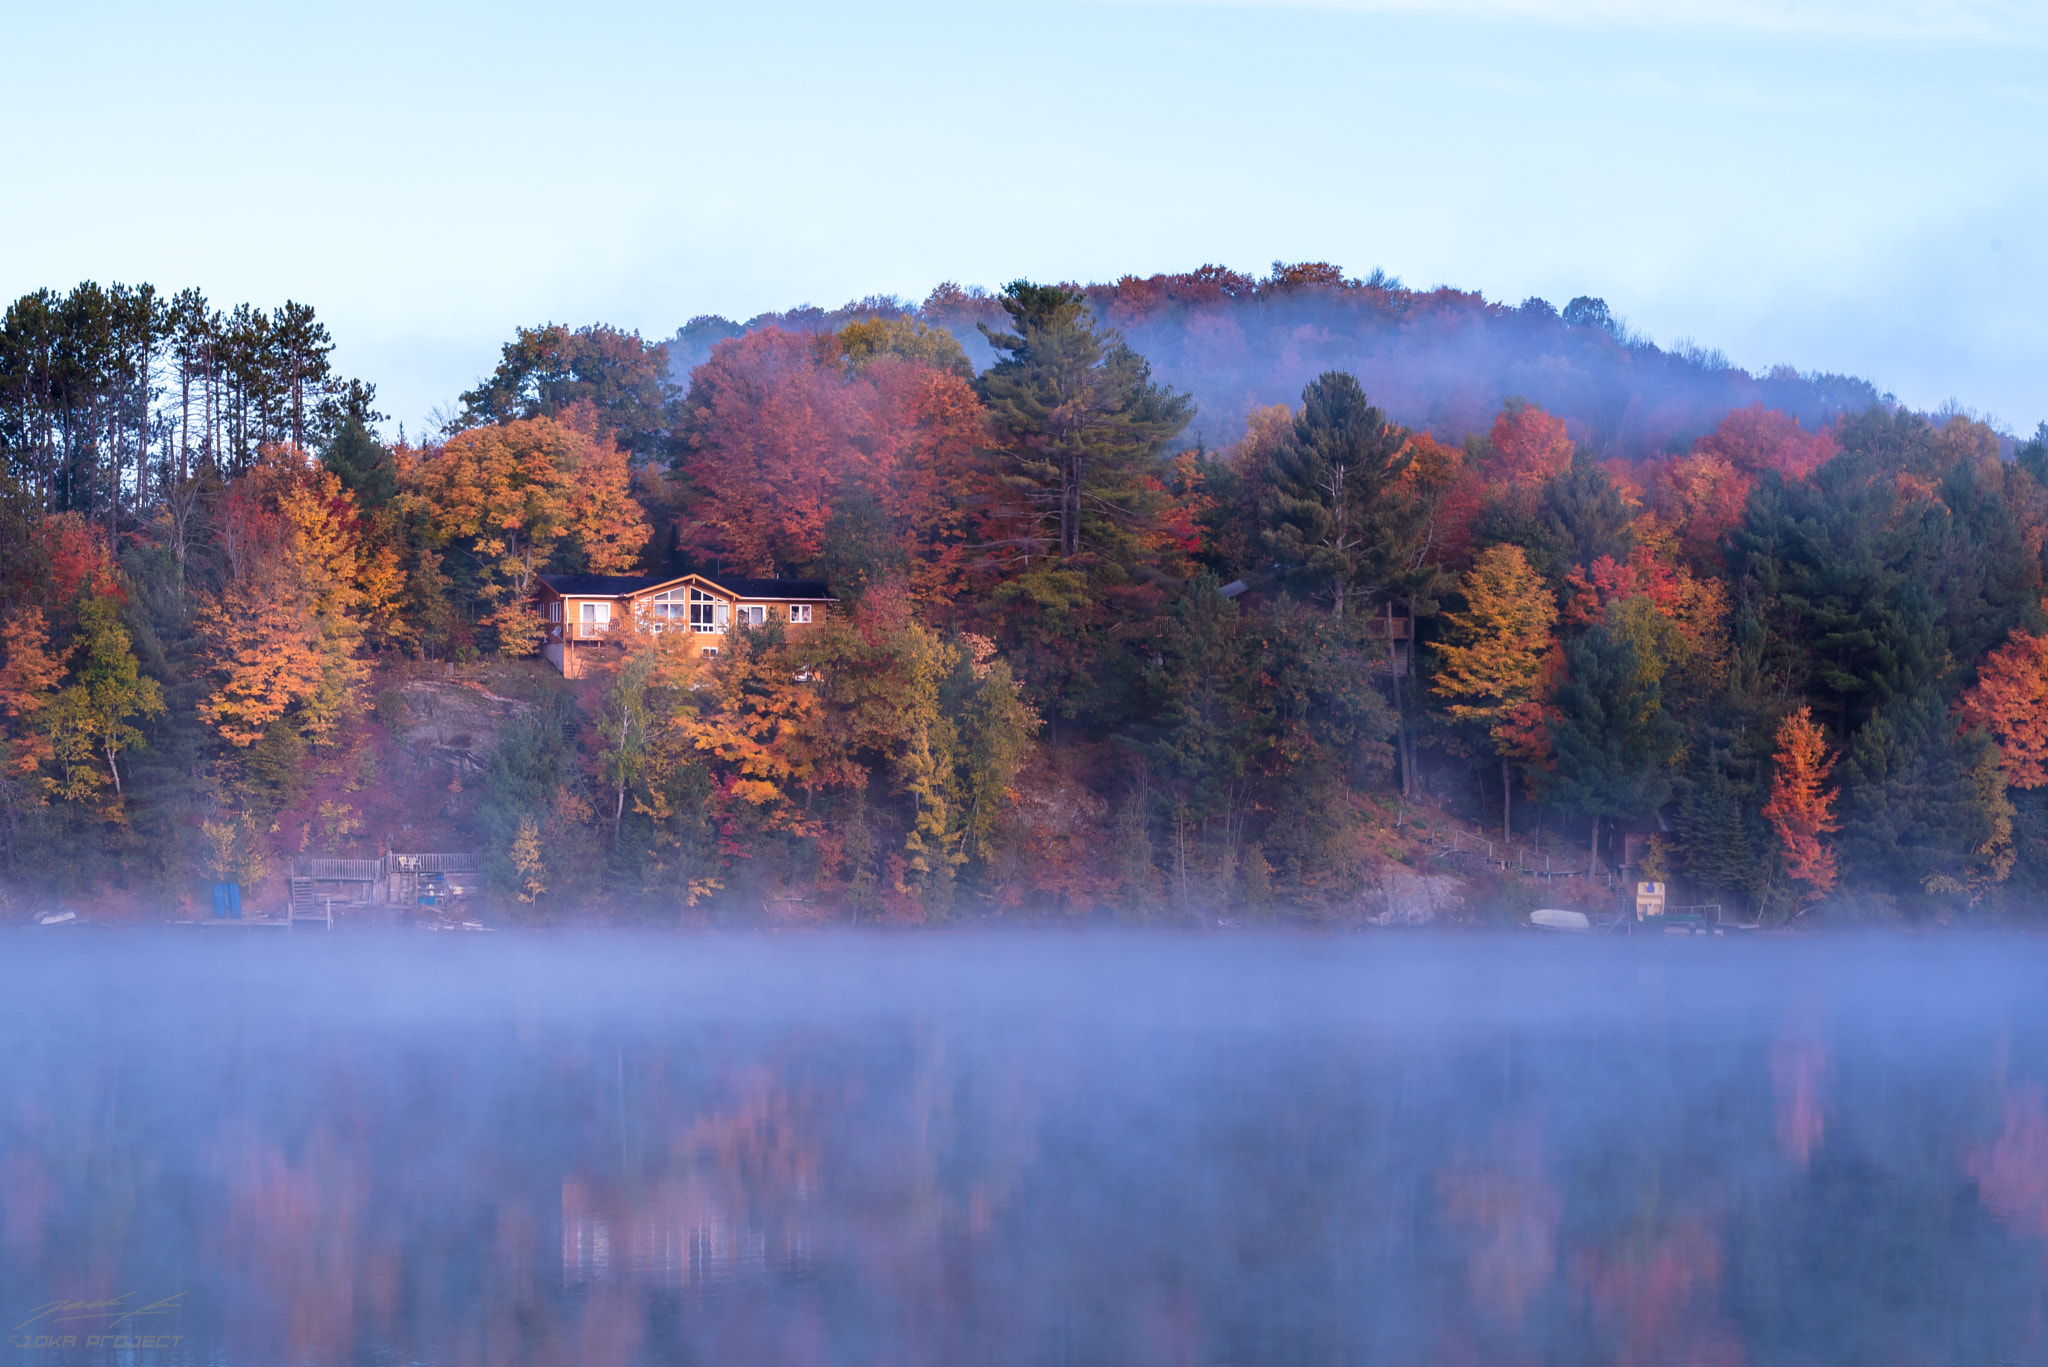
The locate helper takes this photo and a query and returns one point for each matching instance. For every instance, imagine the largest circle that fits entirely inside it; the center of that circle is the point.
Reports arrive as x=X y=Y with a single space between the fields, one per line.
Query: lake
x=226 y=1147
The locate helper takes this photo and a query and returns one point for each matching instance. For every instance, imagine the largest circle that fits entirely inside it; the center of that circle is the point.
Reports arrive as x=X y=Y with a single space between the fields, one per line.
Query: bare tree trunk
x=1507 y=827
x=1593 y=851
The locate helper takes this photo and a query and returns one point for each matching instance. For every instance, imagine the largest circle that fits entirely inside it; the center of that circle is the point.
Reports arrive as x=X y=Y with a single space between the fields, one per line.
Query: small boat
x=1551 y=918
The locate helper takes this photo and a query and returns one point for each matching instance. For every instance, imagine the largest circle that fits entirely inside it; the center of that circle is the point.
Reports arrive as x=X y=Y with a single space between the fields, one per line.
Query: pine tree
x=1910 y=814
x=1713 y=838
x=1610 y=737
x=1330 y=511
x=1080 y=426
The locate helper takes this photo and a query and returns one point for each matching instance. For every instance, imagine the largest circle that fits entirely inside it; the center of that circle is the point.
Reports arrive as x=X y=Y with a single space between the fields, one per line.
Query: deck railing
x=338 y=870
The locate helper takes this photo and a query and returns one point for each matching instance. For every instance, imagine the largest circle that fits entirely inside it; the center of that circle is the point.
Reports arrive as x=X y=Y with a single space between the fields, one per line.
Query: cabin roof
x=626 y=585
x=771 y=588
x=598 y=585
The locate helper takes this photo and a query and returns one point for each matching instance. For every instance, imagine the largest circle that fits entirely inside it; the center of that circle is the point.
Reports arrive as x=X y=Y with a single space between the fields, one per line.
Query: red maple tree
x=1526 y=446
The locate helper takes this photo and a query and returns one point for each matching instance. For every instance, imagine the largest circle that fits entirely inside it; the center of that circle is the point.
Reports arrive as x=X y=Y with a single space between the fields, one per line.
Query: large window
x=799 y=612
x=707 y=614
x=668 y=607
x=753 y=614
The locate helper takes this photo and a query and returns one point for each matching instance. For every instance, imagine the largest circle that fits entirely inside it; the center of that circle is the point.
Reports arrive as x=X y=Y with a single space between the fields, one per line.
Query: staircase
x=307 y=904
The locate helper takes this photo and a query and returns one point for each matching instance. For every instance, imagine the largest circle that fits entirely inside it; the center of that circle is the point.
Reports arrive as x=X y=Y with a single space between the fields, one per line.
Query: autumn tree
x=1755 y=439
x=521 y=497
x=1526 y=446
x=1493 y=653
x=284 y=634
x=29 y=675
x=853 y=452
x=1800 y=810
x=2010 y=700
x=89 y=721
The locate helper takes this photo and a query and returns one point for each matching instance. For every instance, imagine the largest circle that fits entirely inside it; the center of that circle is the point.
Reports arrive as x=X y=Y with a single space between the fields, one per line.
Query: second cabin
x=587 y=611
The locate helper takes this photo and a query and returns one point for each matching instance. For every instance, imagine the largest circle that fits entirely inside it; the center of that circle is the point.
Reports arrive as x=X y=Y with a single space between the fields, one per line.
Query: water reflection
x=1055 y=1150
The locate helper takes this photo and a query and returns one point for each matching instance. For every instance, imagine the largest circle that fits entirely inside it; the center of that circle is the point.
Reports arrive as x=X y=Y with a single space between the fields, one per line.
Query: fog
x=1439 y=360
x=1042 y=1149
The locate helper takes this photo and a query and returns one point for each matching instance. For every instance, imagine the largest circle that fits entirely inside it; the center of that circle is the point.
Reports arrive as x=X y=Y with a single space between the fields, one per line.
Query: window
x=597 y=612
x=709 y=652
x=799 y=612
x=554 y=609
x=668 y=607
x=707 y=614
x=753 y=614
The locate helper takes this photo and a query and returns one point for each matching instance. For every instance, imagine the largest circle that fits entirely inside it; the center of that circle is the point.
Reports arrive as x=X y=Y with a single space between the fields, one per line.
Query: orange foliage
x=514 y=492
x=1704 y=495
x=1755 y=439
x=2010 y=700
x=1526 y=446
x=1677 y=593
x=266 y=648
x=287 y=627
x=28 y=675
x=1799 y=1067
x=1800 y=810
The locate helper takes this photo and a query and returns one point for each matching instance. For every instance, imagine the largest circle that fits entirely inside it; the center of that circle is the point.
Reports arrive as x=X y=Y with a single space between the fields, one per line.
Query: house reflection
x=679 y=1234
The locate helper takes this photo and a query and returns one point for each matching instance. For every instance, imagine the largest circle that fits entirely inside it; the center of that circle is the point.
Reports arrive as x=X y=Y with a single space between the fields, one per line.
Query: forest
x=1180 y=599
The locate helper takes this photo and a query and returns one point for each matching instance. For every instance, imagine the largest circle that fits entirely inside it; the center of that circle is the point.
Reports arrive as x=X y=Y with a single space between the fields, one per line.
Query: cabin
x=582 y=612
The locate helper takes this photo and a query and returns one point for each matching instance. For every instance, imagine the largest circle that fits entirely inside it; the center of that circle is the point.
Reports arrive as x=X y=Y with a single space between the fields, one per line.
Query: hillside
x=1178 y=600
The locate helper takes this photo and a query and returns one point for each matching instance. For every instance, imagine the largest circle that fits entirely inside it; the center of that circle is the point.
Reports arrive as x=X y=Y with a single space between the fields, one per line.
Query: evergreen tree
x=361 y=462
x=545 y=370
x=1610 y=737
x=1844 y=557
x=1330 y=513
x=1586 y=513
x=1910 y=814
x=1080 y=427
x=1713 y=839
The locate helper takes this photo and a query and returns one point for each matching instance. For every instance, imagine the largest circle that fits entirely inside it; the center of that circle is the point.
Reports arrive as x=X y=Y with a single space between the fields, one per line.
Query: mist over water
x=1034 y=1149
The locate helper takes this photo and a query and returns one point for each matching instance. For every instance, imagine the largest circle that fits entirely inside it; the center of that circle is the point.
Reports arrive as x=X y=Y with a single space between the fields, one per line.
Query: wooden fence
x=393 y=878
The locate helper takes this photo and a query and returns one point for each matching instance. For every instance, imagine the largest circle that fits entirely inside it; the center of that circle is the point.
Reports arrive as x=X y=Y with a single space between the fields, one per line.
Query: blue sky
x=1848 y=187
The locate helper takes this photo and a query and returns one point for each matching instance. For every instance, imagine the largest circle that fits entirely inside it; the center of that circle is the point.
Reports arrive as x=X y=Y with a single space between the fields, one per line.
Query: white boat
x=1551 y=918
